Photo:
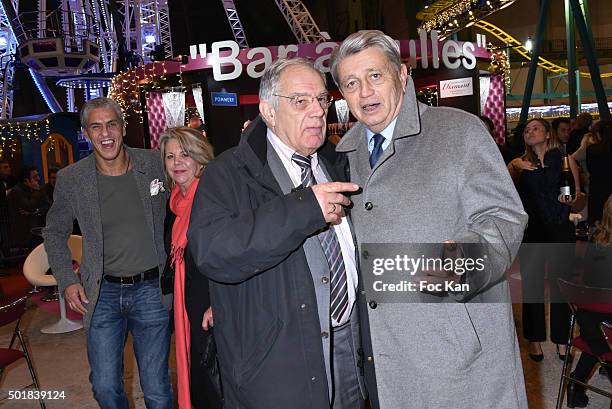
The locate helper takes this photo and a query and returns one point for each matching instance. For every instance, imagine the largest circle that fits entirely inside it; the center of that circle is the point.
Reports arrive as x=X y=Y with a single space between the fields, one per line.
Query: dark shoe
x=576 y=396
x=559 y=354
x=536 y=357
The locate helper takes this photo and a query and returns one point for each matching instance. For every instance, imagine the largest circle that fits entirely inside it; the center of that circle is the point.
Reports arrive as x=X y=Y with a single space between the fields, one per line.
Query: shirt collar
x=286 y=152
x=387 y=133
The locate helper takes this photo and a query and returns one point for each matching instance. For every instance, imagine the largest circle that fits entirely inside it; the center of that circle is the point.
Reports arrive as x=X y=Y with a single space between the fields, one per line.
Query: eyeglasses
x=301 y=102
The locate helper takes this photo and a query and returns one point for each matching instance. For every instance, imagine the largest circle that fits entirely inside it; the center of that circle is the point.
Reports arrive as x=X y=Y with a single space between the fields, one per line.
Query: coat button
x=370 y=359
x=373 y=304
x=324 y=280
x=369 y=206
x=303 y=306
x=324 y=335
x=314 y=378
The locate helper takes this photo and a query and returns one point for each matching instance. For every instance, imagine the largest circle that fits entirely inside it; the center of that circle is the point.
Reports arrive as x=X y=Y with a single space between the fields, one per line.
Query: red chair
x=606 y=328
x=589 y=299
x=11 y=311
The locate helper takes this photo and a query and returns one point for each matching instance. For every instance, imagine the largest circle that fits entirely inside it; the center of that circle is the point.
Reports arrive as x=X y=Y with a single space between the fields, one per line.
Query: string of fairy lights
x=428 y=95
x=125 y=87
x=12 y=132
x=500 y=64
x=449 y=14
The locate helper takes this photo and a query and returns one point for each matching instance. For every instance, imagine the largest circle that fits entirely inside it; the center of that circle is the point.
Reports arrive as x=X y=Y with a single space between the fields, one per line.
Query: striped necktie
x=339 y=300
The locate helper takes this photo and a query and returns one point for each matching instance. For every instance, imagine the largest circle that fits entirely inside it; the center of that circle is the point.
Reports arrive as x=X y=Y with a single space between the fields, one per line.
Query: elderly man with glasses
x=268 y=228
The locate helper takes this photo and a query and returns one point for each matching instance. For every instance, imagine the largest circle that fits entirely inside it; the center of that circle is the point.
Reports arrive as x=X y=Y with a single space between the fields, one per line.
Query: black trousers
x=546 y=251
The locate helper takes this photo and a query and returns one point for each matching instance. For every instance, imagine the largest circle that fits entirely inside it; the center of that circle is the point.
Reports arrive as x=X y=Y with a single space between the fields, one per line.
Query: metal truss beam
x=7 y=68
x=141 y=19
x=165 y=34
x=301 y=22
x=235 y=24
x=107 y=39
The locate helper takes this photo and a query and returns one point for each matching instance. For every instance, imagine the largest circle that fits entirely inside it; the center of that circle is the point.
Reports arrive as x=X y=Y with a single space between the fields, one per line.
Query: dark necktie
x=331 y=247
x=378 y=150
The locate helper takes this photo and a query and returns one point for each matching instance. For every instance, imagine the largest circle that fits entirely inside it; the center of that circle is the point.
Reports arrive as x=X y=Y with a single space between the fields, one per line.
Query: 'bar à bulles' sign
x=422 y=52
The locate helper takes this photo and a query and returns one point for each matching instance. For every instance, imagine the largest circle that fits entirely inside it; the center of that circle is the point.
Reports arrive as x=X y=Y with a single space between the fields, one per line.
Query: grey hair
x=269 y=81
x=97 y=103
x=361 y=40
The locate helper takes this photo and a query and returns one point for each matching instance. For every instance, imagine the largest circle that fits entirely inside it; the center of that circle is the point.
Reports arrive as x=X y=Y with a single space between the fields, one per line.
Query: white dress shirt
x=387 y=133
x=343 y=231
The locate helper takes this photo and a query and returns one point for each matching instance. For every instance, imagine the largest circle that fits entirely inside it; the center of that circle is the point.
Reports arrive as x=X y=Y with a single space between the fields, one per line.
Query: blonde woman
x=185 y=155
x=537 y=178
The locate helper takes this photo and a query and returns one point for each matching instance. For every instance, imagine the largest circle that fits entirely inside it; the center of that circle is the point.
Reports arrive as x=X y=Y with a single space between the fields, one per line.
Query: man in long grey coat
x=430 y=175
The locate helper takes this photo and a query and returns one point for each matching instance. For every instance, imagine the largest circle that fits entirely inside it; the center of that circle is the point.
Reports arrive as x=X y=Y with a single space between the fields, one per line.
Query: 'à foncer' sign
x=228 y=61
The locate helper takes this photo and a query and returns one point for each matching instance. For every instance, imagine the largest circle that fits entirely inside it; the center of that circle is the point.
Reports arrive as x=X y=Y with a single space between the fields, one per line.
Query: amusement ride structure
x=83 y=43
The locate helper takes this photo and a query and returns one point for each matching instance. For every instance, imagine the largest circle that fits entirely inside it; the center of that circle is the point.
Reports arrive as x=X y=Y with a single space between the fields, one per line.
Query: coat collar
x=408 y=121
x=252 y=152
x=137 y=162
x=90 y=188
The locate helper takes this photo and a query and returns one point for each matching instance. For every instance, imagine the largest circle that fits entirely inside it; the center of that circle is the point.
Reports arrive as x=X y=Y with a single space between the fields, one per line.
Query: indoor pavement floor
x=61 y=364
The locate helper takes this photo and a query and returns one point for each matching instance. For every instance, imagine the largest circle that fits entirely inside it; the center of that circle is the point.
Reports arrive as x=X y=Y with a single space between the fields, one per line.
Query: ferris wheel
x=78 y=41
x=84 y=42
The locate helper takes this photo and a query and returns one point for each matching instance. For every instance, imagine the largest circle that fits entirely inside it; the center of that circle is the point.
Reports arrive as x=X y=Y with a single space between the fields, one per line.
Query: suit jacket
x=599 y=165
x=441 y=178
x=76 y=197
x=248 y=237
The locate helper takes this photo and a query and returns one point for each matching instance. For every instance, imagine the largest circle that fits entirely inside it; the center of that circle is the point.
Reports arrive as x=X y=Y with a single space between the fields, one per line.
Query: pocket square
x=156 y=187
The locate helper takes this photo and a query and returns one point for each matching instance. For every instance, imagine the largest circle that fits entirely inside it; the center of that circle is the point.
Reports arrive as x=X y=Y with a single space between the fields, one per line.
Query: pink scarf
x=181 y=206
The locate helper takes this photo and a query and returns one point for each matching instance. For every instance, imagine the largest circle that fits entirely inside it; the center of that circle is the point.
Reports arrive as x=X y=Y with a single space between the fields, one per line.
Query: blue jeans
x=135 y=308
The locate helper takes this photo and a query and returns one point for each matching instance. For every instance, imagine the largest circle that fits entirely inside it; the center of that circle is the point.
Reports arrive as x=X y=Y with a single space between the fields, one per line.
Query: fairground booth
x=219 y=83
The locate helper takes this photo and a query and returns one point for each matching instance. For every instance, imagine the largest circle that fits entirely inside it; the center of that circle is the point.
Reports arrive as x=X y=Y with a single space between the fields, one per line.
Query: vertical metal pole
x=584 y=5
x=572 y=79
x=591 y=57
x=578 y=91
x=535 y=56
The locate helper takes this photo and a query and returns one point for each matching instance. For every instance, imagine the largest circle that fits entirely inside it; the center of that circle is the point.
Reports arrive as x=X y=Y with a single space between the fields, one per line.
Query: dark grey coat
x=248 y=237
x=441 y=178
x=76 y=197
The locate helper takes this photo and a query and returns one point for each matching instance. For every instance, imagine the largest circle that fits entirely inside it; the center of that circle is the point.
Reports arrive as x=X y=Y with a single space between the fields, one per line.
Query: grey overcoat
x=441 y=178
x=76 y=197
